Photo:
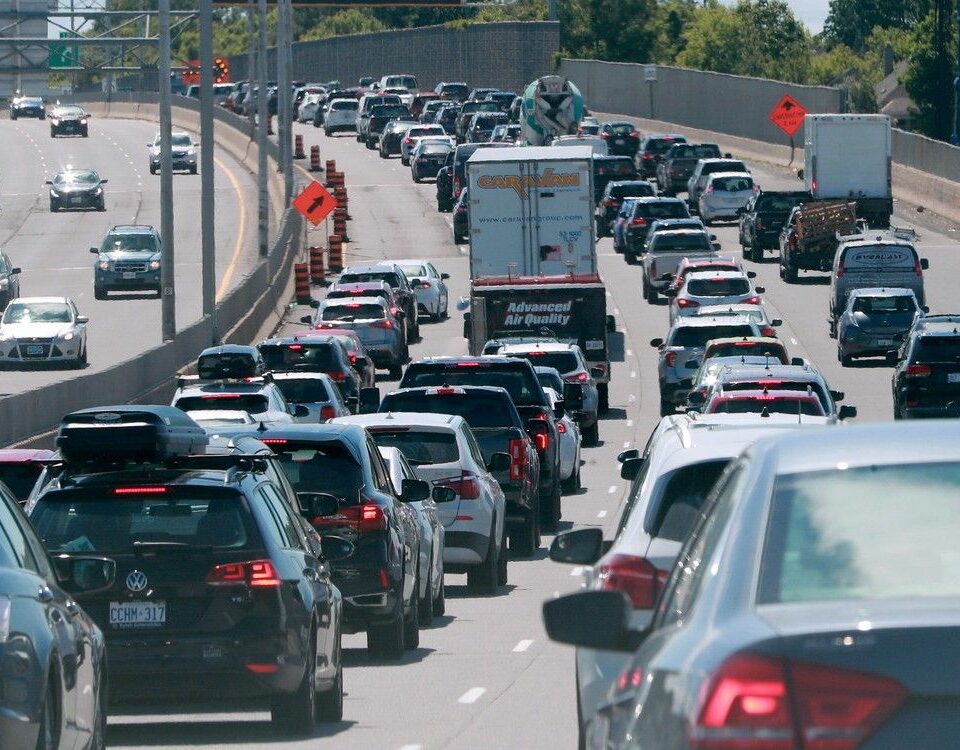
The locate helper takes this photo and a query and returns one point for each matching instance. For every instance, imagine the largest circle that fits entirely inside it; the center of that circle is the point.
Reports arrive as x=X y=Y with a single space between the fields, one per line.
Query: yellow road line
x=238 y=246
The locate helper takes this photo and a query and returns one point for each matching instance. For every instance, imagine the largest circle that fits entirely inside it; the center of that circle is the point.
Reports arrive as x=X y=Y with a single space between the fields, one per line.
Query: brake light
x=353 y=358
x=337 y=376
x=646 y=156
x=408 y=141
x=634 y=134
x=751 y=301
x=759 y=701
x=273 y=441
x=295 y=347
x=457 y=187
x=840 y=269
x=540 y=432
x=263 y=668
x=467 y=485
x=382 y=324
x=363 y=518
x=468 y=364
x=561 y=428
x=634 y=576
x=518 y=459
x=638 y=222
x=670 y=359
x=580 y=377
x=256 y=573
x=709 y=189
x=768 y=331
x=917 y=268
x=917 y=371
x=684 y=303
x=140 y=490
x=327 y=412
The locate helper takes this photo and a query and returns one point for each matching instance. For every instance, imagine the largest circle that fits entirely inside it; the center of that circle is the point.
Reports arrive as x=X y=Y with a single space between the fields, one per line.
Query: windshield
x=478 y=409
x=68 y=112
x=665 y=242
x=872 y=532
x=420 y=447
x=718 y=287
x=321 y=467
x=254 y=403
x=770 y=404
x=129 y=243
x=353 y=311
x=321 y=357
x=77 y=178
x=699 y=336
x=96 y=522
x=37 y=312
x=562 y=361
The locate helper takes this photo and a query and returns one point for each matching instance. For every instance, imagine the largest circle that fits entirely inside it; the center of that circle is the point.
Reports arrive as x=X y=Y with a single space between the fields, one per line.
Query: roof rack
x=231 y=464
x=185 y=380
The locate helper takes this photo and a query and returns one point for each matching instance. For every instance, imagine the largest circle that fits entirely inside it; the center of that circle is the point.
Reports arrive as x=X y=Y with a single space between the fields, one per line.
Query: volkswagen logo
x=136 y=581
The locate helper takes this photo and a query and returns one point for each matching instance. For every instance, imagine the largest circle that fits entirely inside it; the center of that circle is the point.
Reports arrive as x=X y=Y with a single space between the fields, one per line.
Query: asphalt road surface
x=54 y=249
x=485 y=676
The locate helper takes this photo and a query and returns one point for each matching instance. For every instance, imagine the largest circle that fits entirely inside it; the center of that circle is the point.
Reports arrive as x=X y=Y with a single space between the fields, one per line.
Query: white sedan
x=43 y=330
x=570 y=442
x=433 y=299
x=725 y=194
x=308 y=107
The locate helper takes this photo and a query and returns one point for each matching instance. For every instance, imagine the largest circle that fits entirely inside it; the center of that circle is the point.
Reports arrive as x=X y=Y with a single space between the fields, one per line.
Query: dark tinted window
x=306 y=391
x=938 y=349
x=551 y=380
x=699 y=336
x=353 y=311
x=321 y=467
x=682 y=499
x=352 y=278
x=20 y=478
x=698 y=151
x=719 y=287
x=732 y=184
x=779 y=203
x=664 y=210
x=660 y=145
x=79 y=522
x=885 y=305
x=771 y=405
x=726 y=166
x=665 y=242
x=636 y=189
x=321 y=357
x=614 y=166
x=420 y=447
x=749 y=348
x=478 y=409
x=620 y=128
x=562 y=361
x=521 y=384
x=253 y=403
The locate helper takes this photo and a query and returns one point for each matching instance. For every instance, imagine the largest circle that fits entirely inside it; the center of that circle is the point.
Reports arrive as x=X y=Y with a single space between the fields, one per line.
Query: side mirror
x=751 y=274
x=95 y=250
x=353 y=403
x=308 y=319
x=104 y=182
x=924 y=264
x=696 y=399
x=611 y=324
x=415 y=283
x=924 y=308
x=467 y=318
x=573 y=396
x=591 y=619
x=335 y=548
x=715 y=246
x=83 y=319
x=85 y=574
x=369 y=400
x=444 y=494
x=299 y=410
x=628 y=454
x=713 y=237
x=559 y=409
x=314 y=303
x=669 y=292
x=630 y=469
x=444 y=276
x=728 y=155
x=800 y=174
x=760 y=289
x=578 y=547
x=692 y=364
x=317 y=505
x=776 y=322
x=797 y=361
x=837 y=395
x=892 y=358
x=415 y=490
x=48 y=182
x=15 y=270
x=847 y=412
x=498 y=462
x=656 y=343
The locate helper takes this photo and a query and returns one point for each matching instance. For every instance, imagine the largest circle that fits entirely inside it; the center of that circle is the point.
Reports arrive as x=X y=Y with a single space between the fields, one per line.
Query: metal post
x=251 y=60
x=208 y=257
x=551 y=10
x=263 y=208
x=167 y=281
x=285 y=100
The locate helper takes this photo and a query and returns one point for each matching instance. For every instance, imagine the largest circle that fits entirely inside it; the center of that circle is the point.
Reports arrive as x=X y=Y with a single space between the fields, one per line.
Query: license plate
x=76 y=199
x=619 y=141
x=953 y=377
x=138 y=614
x=886 y=342
x=34 y=350
x=129 y=275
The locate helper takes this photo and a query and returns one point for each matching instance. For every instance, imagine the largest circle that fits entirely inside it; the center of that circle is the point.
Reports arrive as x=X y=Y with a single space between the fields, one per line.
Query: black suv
x=221 y=591
x=609 y=168
x=314 y=352
x=520 y=380
x=926 y=381
x=394 y=276
x=380 y=115
x=379 y=578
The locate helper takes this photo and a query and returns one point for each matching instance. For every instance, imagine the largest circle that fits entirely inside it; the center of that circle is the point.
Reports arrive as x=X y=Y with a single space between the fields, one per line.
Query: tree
x=616 y=30
x=851 y=22
x=929 y=76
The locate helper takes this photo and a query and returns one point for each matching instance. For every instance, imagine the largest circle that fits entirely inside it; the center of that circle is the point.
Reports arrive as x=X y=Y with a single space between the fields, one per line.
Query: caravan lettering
x=522 y=183
x=531 y=314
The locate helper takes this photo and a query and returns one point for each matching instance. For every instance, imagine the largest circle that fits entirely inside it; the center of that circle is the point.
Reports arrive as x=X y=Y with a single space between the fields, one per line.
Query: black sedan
x=77 y=188
x=69 y=120
x=27 y=106
x=622 y=138
x=53 y=655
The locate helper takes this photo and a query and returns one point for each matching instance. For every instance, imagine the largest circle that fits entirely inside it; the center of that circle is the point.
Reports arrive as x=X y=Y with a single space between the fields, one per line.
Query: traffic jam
x=778 y=575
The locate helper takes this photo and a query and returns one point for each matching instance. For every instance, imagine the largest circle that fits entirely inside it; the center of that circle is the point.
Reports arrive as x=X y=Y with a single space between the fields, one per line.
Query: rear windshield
x=780 y=385
x=321 y=357
x=666 y=242
x=636 y=189
x=253 y=403
x=321 y=467
x=486 y=122
x=455 y=89
x=719 y=287
x=877 y=532
x=420 y=447
x=341 y=293
x=613 y=166
x=355 y=278
x=880 y=305
x=724 y=166
x=731 y=184
x=353 y=311
x=306 y=391
x=699 y=336
x=179 y=522
x=682 y=498
x=478 y=409
x=389 y=110
x=937 y=349
x=664 y=210
x=20 y=478
x=749 y=348
x=344 y=104
x=698 y=151
x=620 y=128
x=551 y=380
x=780 y=203
x=561 y=361
x=521 y=384
x=879 y=257
x=660 y=145
x=771 y=405
x=724 y=266
x=435 y=149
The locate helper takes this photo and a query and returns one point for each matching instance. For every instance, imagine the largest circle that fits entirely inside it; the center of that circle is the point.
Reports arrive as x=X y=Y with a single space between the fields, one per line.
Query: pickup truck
x=665 y=251
x=521 y=382
x=809 y=238
x=763 y=218
x=676 y=166
x=498 y=428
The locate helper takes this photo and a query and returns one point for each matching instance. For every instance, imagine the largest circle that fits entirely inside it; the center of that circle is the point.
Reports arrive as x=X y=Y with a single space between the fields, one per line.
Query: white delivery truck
x=847 y=157
x=531 y=211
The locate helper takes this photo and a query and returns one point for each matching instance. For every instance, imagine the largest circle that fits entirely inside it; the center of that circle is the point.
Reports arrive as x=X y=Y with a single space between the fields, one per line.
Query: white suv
x=445 y=453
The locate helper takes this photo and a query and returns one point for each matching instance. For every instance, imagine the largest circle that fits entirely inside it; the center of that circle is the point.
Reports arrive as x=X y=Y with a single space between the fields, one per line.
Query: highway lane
x=485 y=676
x=53 y=249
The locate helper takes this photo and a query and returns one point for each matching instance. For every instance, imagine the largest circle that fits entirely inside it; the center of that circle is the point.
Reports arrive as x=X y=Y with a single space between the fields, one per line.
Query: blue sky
x=812 y=12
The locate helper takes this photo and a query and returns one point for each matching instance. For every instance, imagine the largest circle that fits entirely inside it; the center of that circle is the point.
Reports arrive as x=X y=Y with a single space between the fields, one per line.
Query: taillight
x=467 y=485
x=337 y=376
x=408 y=141
x=751 y=301
x=670 y=359
x=634 y=576
x=424 y=284
x=758 y=224
x=580 y=377
x=634 y=134
x=561 y=428
x=518 y=459
x=148 y=490
x=917 y=267
x=327 y=412
x=646 y=156
x=917 y=371
x=763 y=702
x=382 y=324
x=456 y=186
x=683 y=303
x=539 y=430
x=638 y=222
x=610 y=203
x=353 y=358
x=258 y=573
x=709 y=189
x=840 y=269
x=768 y=331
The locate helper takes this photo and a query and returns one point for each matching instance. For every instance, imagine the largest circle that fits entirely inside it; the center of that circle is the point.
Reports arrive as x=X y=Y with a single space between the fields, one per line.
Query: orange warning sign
x=315 y=203
x=788 y=115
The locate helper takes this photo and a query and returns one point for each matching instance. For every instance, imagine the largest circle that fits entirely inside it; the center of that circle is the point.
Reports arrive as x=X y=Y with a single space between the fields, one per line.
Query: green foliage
x=851 y=22
x=348 y=21
x=617 y=30
x=929 y=78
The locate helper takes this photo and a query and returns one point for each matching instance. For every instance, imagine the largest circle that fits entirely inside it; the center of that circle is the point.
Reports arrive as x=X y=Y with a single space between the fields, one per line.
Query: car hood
x=35 y=330
x=74 y=188
x=129 y=255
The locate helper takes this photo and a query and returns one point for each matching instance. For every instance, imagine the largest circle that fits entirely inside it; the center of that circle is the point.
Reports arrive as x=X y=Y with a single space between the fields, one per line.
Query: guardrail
x=260 y=297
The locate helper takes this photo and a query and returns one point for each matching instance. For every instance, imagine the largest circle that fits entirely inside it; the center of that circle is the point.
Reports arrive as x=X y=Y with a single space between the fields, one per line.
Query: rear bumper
x=385 y=356
x=463 y=550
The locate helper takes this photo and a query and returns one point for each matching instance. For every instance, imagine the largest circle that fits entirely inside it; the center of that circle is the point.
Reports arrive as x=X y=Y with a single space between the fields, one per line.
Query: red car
x=19 y=469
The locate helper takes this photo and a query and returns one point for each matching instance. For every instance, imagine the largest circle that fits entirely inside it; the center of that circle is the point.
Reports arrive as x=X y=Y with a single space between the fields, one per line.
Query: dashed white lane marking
x=629 y=423
x=793 y=341
x=629 y=352
x=411 y=747
x=522 y=646
x=633 y=373
x=613 y=488
x=472 y=695
x=626 y=443
x=631 y=398
x=602 y=514
x=577 y=571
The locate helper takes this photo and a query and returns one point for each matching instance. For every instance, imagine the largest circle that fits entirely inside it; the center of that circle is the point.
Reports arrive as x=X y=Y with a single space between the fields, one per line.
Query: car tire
x=13 y=116
x=330 y=702
x=411 y=621
x=396 y=372
x=591 y=435
x=523 y=539
x=85 y=133
x=325 y=131
x=666 y=408
x=54 y=207
x=386 y=639
x=153 y=170
x=483 y=577
x=550 y=511
x=571 y=485
x=99 y=292
x=99 y=739
x=846 y=360
x=649 y=293
x=53 y=133
x=426 y=604
x=193 y=169
x=503 y=572
x=48 y=736
x=416 y=179
x=440 y=602
x=603 y=405
x=789 y=274
x=296 y=712
x=102 y=205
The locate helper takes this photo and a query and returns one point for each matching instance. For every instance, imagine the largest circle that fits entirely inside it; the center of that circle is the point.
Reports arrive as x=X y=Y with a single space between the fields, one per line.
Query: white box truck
x=847 y=157
x=531 y=211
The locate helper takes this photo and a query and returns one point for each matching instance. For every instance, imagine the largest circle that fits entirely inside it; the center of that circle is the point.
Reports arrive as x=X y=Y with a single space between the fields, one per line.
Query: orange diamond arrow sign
x=315 y=203
x=788 y=115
